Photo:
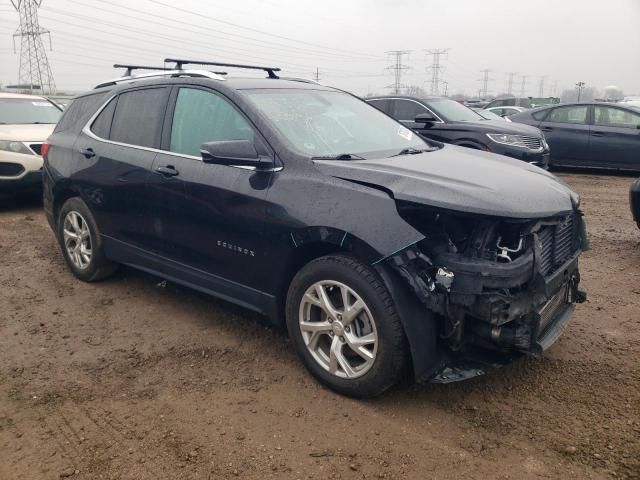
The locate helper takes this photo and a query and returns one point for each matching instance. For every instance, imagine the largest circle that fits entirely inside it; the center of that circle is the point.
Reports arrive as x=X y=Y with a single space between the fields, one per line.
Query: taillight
x=45 y=149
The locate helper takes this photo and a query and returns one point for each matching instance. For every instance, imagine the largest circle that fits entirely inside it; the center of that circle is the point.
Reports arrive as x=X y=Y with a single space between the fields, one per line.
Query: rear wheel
x=81 y=244
x=345 y=328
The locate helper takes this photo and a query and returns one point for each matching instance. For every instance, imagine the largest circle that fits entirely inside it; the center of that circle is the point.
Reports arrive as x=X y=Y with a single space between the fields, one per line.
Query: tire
x=377 y=364
x=83 y=253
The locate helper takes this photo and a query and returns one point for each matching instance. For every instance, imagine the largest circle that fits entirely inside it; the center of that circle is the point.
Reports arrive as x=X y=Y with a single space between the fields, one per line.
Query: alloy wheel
x=338 y=329
x=77 y=240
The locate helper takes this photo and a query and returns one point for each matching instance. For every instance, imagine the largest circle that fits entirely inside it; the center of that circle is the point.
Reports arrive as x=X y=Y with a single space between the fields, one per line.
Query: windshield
x=329 y=123
x=28 y=110
x=452 y=111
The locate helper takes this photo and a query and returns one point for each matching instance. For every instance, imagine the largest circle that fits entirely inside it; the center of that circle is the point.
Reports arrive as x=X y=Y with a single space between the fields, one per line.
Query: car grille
x=9 y=169
x=532 y=143
x=558 y=243
x=36 y=147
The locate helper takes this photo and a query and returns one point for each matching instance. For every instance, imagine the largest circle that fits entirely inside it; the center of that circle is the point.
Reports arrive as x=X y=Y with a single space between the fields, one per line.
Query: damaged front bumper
x=491 y=312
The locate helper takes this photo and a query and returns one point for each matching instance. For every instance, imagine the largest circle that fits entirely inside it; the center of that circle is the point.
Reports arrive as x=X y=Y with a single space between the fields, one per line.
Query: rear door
x=615 y=138
x=209 y=217
x=566 y=129
x=118 y=150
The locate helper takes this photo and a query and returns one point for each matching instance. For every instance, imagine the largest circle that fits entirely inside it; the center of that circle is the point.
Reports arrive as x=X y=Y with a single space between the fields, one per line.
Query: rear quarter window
x=79 y=112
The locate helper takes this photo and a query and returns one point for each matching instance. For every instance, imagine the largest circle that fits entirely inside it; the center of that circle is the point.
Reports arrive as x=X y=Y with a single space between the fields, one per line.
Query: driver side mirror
x=234 y=153
x=425 y=118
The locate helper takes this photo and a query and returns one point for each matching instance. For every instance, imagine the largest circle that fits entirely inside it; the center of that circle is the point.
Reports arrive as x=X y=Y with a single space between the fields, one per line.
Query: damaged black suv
x=384 y=255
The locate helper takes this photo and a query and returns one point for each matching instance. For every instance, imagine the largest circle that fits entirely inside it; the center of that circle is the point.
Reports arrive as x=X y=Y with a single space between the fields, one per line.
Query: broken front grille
x=557 y=244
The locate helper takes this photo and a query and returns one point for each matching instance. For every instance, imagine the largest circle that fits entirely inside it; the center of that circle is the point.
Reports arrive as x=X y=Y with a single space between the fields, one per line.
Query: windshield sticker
x=405 y=133
x=41 y=104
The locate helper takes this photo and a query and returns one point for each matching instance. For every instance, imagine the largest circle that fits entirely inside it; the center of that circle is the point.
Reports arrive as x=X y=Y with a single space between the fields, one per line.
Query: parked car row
x=444 y=120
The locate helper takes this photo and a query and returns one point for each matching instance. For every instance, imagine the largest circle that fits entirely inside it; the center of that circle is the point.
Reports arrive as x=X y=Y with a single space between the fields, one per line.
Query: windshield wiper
x=341 y=156
x=413 y=151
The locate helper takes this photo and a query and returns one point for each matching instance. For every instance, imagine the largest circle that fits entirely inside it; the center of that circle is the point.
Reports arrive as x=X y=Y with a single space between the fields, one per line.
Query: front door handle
x=87 y=152
x=547 y=129
x=168 y=171
x=597 y=134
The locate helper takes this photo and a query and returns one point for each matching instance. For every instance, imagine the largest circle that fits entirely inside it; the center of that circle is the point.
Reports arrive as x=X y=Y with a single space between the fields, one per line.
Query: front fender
x=420 y=326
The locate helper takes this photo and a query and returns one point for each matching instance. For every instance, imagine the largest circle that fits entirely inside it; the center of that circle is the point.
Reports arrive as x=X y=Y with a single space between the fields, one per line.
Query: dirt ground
x=133 y=378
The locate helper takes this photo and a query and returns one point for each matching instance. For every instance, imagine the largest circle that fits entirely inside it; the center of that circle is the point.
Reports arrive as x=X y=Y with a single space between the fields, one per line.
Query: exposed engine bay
x=499 y=285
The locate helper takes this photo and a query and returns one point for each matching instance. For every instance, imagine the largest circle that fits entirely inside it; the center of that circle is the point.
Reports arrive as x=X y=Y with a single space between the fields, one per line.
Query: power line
x=435 y=68
x=243 y=27
x=316 y=75
x=34 y=65
x=398 y=67
x=485 y=81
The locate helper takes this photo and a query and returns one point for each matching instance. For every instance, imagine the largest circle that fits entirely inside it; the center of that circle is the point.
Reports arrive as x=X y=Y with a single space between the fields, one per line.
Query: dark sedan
x=634 y=200
x=599 y=135
x=444 y=120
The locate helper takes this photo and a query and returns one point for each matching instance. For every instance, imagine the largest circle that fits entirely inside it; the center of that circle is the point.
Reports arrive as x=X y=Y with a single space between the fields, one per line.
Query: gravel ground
x=133 y=378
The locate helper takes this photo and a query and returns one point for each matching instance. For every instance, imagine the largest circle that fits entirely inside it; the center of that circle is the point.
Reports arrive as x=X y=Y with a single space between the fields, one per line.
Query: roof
x=19 y=95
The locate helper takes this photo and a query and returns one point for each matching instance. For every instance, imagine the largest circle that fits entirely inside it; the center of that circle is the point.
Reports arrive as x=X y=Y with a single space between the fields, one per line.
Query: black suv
x=445 y=120
x=382 y=253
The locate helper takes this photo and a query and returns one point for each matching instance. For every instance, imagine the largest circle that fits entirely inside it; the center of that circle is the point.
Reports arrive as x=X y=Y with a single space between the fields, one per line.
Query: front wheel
x=345 y=327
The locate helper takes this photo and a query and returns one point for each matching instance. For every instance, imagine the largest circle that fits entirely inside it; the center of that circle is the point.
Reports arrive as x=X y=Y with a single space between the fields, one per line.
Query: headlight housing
x=506 y=139
x=15 y=147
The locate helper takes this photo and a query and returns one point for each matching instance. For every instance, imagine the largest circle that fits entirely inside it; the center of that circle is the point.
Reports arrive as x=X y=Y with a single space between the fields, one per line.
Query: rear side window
x=138 y=117
x=79 y=112
x=540 y=114
x=572 y=114
x=102 y=124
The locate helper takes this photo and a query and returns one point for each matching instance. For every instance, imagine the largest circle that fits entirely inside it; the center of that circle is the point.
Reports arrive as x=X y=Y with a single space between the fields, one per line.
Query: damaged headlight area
x=497 y=284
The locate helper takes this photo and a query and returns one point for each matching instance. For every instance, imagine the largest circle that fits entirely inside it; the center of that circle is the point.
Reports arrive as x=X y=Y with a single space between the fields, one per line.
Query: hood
x=26 y=132
x=497 y=126
x=464 y=180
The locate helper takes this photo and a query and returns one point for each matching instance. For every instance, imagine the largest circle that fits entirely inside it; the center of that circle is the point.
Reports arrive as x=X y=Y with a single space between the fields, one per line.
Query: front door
x=209 y=217
x=567 y=132
x=615 y=138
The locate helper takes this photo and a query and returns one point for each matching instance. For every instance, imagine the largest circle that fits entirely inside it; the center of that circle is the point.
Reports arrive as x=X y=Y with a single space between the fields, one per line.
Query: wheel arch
x=315 y=242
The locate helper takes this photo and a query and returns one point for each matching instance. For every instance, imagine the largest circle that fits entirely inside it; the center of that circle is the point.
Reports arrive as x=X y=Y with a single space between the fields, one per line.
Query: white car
x=25 y=123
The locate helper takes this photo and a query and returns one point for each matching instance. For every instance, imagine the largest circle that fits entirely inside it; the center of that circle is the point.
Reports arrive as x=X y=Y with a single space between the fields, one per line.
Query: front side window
x=408 y=110
x=615 y=117
x=22 y=111
x=573 y=114
x=138 y=117
x=201 y=116
x=322 y=123
x=452 y=111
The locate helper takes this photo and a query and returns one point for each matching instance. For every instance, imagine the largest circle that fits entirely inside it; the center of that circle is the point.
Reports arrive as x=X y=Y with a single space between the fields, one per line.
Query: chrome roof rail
x=162 y=73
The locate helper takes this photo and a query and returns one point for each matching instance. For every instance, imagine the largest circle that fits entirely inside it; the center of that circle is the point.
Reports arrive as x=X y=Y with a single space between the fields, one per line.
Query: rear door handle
x=168 y=171
x=87 y=152
x=597 y=134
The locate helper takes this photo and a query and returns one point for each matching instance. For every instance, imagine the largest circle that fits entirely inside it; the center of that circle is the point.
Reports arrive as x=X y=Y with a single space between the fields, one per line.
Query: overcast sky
x=595 y=41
